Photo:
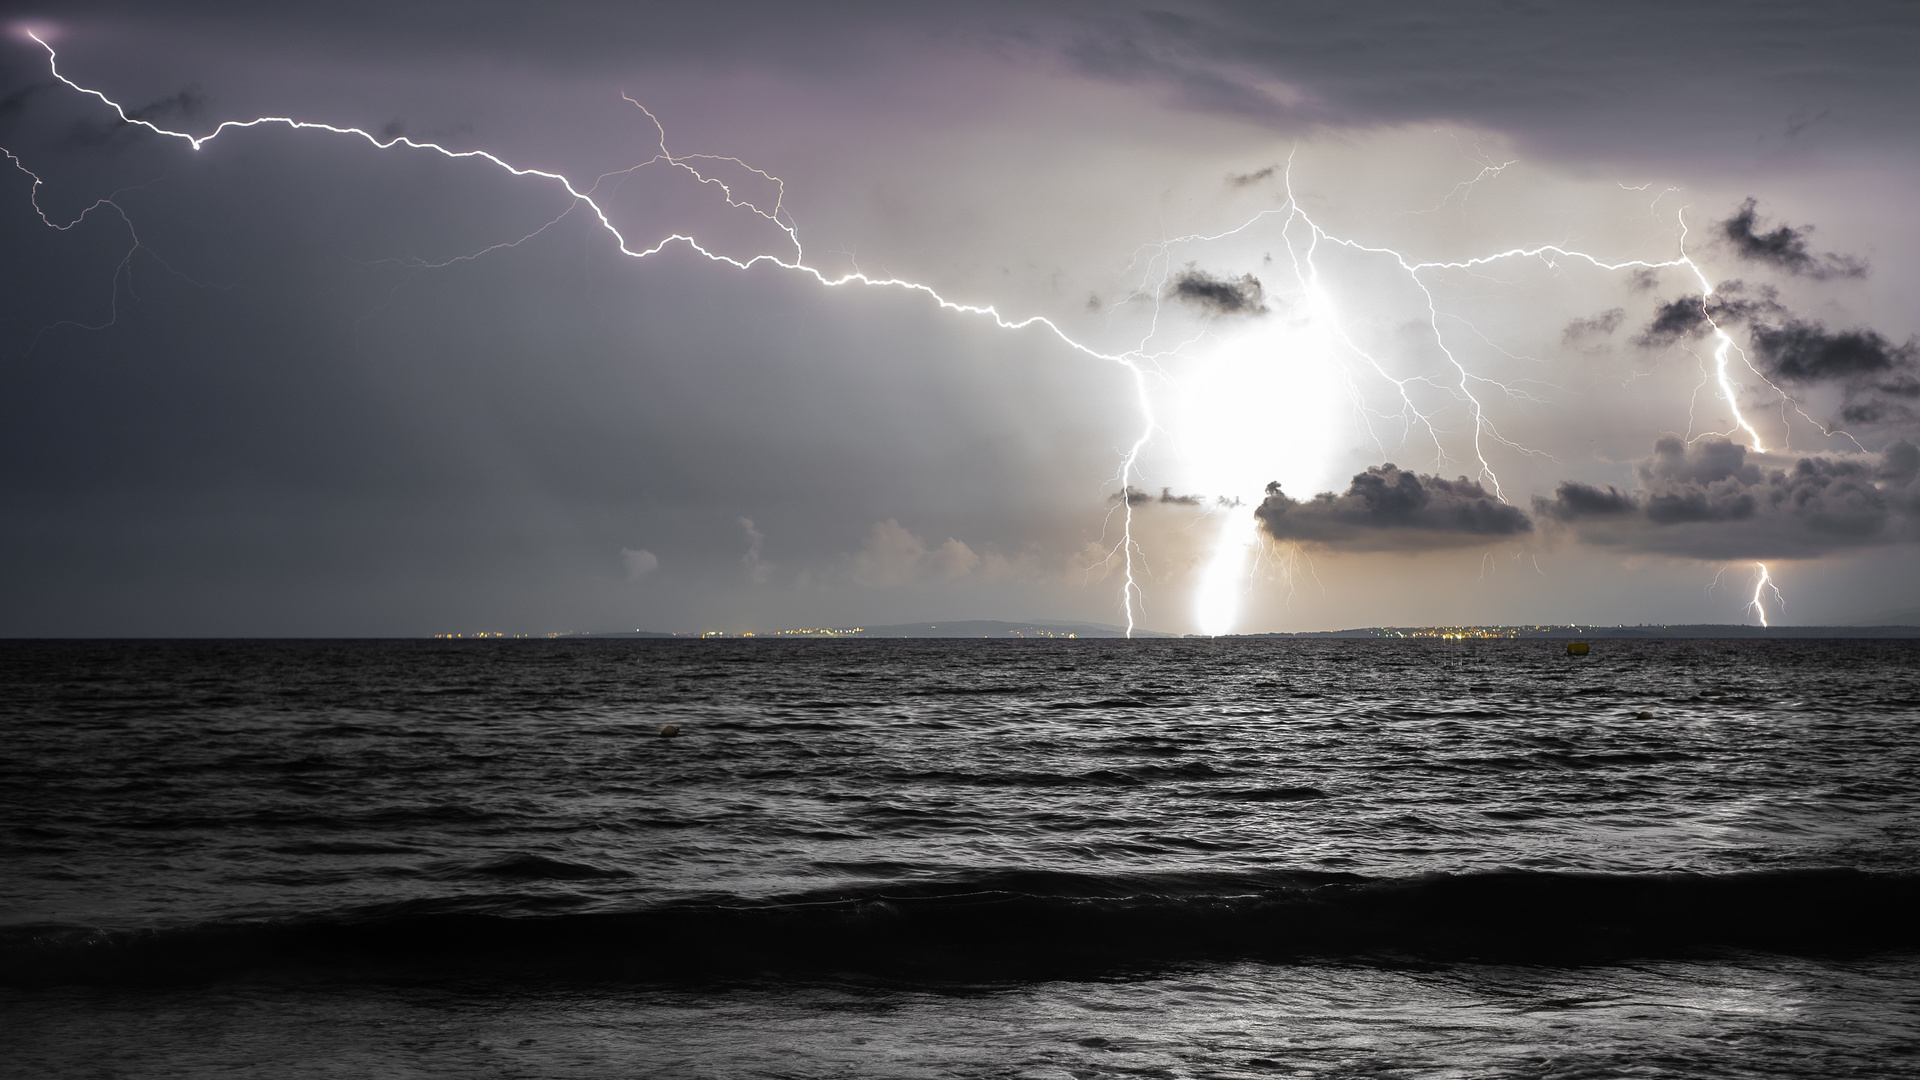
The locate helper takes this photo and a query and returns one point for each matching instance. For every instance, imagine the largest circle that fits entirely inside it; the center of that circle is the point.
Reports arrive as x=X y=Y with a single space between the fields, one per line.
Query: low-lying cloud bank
x=1717 y=500
x=1387 y=508
x=1712 y=500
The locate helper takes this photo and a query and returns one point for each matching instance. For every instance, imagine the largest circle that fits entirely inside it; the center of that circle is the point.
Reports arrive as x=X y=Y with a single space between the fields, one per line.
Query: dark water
x=928 y=858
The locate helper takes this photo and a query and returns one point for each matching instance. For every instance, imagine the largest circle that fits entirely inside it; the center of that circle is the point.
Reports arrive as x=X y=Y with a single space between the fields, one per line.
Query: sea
x=945 y=858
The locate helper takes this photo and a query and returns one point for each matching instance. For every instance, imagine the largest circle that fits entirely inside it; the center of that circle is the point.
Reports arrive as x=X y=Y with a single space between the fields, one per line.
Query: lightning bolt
x=1761 y=584
x=1126 y=549
x=1327 y=338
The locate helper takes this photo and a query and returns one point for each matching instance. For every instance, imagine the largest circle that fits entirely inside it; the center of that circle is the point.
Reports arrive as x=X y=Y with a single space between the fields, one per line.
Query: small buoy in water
x=1643 y=715
x=1576 y=648
x=669 y=730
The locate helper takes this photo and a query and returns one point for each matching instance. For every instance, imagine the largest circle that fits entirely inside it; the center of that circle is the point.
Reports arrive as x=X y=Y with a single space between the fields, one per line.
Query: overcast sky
x=1356 y=314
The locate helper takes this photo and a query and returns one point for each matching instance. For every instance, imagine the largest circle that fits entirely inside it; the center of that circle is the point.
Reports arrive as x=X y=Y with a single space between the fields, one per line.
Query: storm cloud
x=1221 y=296
x=1880 y=380
x=287 y=424
x=1389 y=508
x=1712 y=500
x=1135 y=497
x=1690 y=316
x=1785 y=247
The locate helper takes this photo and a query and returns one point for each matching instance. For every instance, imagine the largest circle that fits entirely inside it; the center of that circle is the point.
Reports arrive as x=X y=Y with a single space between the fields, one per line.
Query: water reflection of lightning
x=1312 y=349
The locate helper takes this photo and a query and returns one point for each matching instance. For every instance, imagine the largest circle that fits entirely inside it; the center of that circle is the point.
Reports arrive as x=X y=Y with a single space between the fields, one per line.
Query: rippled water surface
x=1234 y=857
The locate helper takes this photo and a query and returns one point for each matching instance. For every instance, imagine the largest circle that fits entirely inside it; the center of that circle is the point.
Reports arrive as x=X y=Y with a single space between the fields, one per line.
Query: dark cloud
x=1387 y=508
x=413 y=441
x=1252 y=178
x=1574 y=78
x=1880 y=381
x=1785 y=247
x=1710 y=500
x=1574 y=500
x=1135 y=497
x=1222 y=296
x=1900 y=463
x=1732 y=302
x=1807 y=352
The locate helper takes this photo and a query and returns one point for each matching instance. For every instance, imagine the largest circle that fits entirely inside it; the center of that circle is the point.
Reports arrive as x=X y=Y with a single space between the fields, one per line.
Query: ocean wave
x=1027 y=925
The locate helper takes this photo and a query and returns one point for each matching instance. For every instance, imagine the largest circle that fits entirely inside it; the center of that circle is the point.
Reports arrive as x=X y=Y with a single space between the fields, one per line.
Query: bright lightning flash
x=1255 y=405
x=1761 y=584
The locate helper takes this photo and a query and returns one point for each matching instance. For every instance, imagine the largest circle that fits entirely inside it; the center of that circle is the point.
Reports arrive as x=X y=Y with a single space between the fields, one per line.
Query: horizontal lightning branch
x=1301 y=235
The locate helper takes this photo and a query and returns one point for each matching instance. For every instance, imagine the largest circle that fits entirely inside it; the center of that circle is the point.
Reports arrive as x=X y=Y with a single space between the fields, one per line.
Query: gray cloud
x=1388 y=508
x=1708 y=500
x=1900 y=463
x=1808 y=352
x=1573 y=77
x=1573 y=501
x=1690 y=316
x=1252 y=178
x=758 y=569
x=296 y=444
x=1881 y=380
x=1221 y=296
x=1599 y=325
x=639 y=562
x=1135 y=497
x=1785 y=247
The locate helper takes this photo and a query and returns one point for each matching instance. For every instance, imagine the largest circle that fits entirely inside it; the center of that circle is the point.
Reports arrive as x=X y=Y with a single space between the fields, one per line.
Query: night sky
x=1355 y=314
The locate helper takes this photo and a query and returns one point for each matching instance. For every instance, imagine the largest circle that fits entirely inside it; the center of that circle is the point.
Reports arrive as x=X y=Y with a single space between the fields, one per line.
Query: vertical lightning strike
x=1760 y=585
x=583 y=196
x=1723 y=344
x=1326 y=344
x=1216 y=605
